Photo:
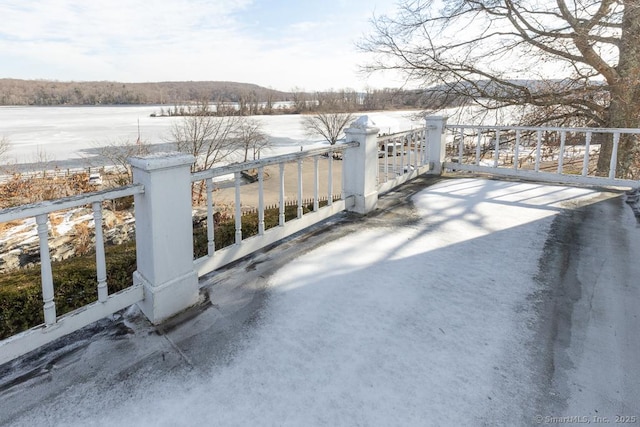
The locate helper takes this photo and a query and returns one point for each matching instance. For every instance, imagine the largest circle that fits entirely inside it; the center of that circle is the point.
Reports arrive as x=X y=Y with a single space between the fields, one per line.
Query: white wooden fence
x=57 y=326
x=166 y=280
x=243 y=246
x=551 y=154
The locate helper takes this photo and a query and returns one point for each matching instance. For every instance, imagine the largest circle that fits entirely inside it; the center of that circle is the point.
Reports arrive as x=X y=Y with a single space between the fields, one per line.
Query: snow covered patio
x=466 y=302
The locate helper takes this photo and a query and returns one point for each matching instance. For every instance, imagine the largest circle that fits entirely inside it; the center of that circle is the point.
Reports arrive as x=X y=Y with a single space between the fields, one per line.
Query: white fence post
x=436 y=142
x=361 y=165
x=164 y=234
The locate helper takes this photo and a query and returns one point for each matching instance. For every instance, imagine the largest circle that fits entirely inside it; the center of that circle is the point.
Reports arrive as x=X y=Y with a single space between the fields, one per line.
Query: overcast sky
x=282 y=44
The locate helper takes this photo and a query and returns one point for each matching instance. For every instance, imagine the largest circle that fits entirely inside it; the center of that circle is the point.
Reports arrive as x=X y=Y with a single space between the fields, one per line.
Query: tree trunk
x=624 y=109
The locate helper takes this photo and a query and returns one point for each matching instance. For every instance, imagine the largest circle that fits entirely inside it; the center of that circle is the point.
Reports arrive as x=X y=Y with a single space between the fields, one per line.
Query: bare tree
x=269 y=101
x=327 y=125
x=209 y=139
x=251 y=138
x=42 y=161
x=117 y=154
x=579 y=60
x=300 y=100
x=5 y=145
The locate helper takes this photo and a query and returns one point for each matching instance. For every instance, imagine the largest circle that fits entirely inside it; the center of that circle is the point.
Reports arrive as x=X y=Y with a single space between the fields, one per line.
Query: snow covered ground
x=458 y=308
x=63 y=133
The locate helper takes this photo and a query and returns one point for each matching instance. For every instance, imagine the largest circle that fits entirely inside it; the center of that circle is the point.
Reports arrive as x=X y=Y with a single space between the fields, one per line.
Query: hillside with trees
x=50 y=92
x=250 y=99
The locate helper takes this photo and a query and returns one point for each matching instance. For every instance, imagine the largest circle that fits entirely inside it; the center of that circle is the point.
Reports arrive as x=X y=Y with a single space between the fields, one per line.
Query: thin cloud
x=126 y=40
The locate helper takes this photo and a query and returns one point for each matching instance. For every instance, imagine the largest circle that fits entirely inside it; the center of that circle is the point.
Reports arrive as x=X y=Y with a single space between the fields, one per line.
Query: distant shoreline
x=71 y=137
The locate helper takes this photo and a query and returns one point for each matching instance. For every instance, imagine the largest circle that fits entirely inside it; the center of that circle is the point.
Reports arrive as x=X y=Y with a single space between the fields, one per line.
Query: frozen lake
x=71 y=133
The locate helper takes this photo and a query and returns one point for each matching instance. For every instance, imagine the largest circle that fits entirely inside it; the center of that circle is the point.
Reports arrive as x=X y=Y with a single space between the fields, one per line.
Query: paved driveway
x=470 y=302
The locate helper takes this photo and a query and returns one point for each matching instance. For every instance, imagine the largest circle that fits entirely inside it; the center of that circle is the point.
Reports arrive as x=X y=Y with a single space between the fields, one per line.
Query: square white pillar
x=436 y=142
x=361 y=165
x=164 y=234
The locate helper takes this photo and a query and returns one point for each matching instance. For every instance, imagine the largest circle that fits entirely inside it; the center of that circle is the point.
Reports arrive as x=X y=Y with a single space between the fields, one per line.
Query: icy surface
x=424 y=323
x=59 y=133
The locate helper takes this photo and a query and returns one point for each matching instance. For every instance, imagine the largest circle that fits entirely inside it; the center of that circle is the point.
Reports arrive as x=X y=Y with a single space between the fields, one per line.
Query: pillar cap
x=162 y=160
x=363 y=124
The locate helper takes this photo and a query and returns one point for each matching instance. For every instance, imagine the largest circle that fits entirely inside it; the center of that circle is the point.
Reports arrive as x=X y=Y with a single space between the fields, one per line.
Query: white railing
x=245 y=245
x=542 y=153
x=55 y=326
x=45 y=171
x=166 y=280
x=402 y=156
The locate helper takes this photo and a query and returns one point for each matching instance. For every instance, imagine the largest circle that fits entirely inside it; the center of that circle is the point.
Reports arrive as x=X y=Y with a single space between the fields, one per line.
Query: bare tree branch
x=208 y=138
x=251 y=138
x=576 y=60
x=118 y=152
x=5 y=146
x=327 y=125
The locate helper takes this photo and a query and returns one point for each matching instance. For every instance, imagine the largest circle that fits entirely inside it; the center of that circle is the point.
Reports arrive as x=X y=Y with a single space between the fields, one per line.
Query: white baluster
x=300 y=210
x=423 y=147
x=261 y=200
x=461 y=146
x=585 y=161
x=45 y=270
x=563 y=140
x=330 y=179
x=101 y=263
x=402 y=142
x=402 y=157
x=517 y=150
x=379 y=174
x=496 y=154
x=211 y=241
x=538 y=149
x=614 y=155
x=316 y=184
x=417 y=142
x=343 y=178
x=478 y=141
x=282 y=207
x=238 y=209
x=386 y=161
x=409 y=144
x=395 y=159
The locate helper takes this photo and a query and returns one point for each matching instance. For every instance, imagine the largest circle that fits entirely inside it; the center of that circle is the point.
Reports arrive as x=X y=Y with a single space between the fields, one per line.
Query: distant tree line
x=229 y=98
x=50 y=92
